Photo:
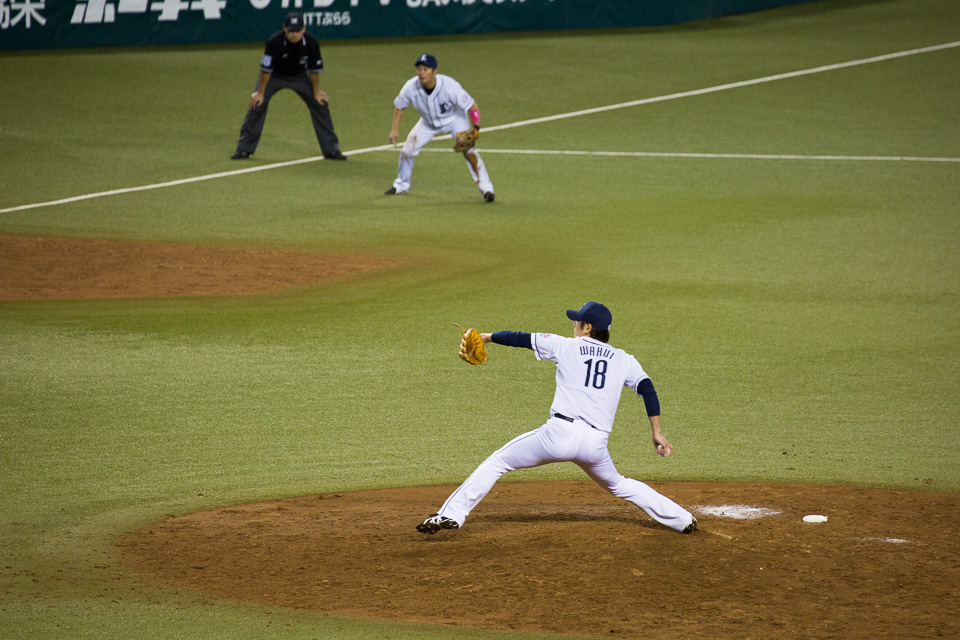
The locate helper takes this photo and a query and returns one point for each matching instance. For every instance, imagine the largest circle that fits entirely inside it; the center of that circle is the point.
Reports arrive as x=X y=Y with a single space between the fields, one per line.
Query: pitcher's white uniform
x=590 y=377
x=443 y=110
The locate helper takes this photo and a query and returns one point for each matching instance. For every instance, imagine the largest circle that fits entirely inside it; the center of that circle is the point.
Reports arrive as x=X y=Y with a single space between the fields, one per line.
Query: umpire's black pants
x=252 y=126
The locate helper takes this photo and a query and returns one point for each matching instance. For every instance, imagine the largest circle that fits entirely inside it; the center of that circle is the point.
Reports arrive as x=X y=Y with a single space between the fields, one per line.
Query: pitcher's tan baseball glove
x=471 y=346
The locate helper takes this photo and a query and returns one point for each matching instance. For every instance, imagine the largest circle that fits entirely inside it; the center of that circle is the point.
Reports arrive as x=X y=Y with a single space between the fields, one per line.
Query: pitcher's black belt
x=569 y=419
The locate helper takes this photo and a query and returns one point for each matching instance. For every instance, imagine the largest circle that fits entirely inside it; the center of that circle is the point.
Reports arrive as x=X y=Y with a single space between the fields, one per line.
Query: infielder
x=590 y=376
x=444 y=107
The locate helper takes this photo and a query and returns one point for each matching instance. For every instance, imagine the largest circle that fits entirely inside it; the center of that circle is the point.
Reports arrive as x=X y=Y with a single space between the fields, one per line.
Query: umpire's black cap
x=293 y=21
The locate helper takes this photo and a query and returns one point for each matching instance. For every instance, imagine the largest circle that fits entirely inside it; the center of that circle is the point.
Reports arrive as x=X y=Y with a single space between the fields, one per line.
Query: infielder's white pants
x=561 y=441
x=419 y=136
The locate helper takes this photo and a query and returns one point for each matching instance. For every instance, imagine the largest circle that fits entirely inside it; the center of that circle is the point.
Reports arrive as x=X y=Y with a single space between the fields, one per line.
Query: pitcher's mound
x=565 y=557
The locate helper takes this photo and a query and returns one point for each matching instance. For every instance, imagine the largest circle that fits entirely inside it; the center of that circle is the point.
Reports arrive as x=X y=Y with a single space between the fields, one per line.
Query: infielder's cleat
x=392 y=191
x=489 y=196
x=335 y=156
x=690 y=528
x=436 y=522
x=240 y=155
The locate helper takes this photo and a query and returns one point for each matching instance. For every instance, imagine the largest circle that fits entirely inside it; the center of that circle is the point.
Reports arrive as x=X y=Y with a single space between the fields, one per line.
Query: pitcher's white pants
x=561 y=441
x=419 y=136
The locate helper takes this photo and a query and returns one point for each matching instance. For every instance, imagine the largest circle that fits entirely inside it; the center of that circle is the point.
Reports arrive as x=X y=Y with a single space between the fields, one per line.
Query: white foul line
x=174 y=183
x=560 y=116
x=732 y=85
x=723 y=156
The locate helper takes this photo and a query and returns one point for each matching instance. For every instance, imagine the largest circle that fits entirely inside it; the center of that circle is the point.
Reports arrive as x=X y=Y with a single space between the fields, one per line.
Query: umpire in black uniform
x=291 y=60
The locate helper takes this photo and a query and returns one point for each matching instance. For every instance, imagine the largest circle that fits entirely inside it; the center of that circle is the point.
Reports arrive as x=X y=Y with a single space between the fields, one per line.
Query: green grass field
x=798 y=316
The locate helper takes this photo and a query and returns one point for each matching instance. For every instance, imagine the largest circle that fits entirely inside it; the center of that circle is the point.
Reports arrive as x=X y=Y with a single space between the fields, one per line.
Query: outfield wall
x=54 y=24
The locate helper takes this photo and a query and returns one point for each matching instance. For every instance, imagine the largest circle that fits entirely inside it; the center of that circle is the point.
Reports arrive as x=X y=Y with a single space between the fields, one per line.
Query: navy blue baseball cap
x=594 y=313
x=293 y=21
x=428 y=60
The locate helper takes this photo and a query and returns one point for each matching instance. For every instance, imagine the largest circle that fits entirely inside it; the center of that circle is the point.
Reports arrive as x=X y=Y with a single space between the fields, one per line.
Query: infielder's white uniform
x=443 y=110
x=590 y=377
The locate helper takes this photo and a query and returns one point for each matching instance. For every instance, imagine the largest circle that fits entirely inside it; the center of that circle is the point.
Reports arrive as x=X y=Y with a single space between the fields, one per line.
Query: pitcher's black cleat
x=436 y=522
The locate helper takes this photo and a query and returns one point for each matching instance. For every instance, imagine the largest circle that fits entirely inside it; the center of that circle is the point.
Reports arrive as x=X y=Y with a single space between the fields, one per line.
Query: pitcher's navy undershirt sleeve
x=646 y=391
x=512 y=339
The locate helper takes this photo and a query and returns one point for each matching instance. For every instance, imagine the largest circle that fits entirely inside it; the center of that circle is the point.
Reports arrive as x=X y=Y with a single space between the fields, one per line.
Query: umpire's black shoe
x=436 y=522
x=335 y=156
x=488 y=196
x=240 y=155
x=690 y=528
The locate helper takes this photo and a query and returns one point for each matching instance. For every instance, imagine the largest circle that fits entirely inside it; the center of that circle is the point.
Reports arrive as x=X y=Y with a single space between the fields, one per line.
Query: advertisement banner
x=55 y=24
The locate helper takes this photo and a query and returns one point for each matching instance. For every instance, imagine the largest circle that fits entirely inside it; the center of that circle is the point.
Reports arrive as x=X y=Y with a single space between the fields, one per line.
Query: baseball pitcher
x=590 y=377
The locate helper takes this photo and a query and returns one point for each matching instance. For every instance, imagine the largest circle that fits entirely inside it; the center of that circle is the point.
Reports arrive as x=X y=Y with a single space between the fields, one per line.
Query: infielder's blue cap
x=428 y=60
x=594 y=313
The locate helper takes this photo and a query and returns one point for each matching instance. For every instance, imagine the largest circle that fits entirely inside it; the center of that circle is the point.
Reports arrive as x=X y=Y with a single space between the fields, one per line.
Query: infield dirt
x=75 y=268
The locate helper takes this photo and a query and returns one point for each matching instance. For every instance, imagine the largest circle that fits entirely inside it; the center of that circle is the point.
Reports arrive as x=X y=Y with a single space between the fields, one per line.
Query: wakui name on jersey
x=596 y=351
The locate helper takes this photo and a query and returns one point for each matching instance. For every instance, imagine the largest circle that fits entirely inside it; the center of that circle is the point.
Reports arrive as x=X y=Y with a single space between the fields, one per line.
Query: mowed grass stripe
x=707 y=156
